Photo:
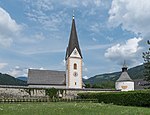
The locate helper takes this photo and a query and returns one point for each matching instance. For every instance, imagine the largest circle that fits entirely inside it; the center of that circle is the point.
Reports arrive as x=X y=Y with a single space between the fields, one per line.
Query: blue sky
x=35 y=34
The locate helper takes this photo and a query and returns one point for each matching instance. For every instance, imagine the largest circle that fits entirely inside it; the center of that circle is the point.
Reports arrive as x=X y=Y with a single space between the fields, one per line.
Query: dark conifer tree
x=146 y=57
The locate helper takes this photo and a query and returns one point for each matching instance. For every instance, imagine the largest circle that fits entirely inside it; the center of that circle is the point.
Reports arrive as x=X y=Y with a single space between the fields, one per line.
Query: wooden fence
x=47 y=100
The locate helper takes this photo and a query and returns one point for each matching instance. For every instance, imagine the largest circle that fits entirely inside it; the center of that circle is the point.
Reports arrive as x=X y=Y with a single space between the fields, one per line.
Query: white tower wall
x=74 y=74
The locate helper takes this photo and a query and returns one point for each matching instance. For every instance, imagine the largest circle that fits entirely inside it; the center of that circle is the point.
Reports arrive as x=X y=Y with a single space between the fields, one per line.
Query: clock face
x=75 y=74
x=75 y=52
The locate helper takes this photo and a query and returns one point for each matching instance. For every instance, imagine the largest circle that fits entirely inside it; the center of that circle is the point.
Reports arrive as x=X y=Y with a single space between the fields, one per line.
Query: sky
x=35 y=34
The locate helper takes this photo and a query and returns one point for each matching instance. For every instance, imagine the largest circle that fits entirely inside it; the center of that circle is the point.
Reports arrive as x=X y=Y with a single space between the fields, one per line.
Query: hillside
x=105 y=80
x=135 y=73
x=6 y=79
x=22 y=78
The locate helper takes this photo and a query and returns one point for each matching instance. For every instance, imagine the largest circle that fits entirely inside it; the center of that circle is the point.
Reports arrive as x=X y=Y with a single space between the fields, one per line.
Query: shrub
x=132 y=98
x=52 y=92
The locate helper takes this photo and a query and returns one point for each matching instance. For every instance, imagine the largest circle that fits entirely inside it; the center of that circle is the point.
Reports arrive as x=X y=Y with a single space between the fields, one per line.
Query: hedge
x=133 y=98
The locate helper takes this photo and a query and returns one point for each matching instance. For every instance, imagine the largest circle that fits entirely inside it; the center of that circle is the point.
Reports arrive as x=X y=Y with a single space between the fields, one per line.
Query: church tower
x=73 y=60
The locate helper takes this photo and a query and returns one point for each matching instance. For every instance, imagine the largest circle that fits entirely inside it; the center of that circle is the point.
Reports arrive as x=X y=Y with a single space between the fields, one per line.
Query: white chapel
x=124 y=83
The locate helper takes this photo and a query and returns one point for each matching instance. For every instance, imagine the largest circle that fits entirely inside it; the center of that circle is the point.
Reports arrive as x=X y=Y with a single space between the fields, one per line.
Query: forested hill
x=135 y=73
x=6 y=79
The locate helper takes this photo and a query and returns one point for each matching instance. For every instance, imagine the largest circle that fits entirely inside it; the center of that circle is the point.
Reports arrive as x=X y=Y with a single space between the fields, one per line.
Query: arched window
x=75 y=83
x=75 y=66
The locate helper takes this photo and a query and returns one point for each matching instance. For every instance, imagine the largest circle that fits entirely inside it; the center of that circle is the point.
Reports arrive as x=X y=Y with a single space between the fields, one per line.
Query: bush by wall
x=133 y=98
x=52 y=92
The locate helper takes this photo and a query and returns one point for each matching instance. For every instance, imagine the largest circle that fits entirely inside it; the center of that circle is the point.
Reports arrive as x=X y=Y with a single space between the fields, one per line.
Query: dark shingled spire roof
x=124 y=75
x=73 y=41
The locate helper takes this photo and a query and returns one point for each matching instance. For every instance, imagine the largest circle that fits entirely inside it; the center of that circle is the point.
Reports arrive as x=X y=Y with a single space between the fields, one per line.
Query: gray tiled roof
x=73 y=41
x=124 y=77
x=46 y=77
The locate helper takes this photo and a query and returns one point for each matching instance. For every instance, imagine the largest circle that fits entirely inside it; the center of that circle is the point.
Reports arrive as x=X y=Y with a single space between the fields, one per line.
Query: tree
x=52 y=93
x=87 y=85
x=146 y=56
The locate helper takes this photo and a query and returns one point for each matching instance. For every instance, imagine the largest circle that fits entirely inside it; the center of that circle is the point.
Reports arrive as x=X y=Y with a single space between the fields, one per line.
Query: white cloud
x=109 y=38
x=41 y=68
x=8 y=28
x=38 y=36
x=128 y=51
x=45 y=5
x=95 y=47
x=40 y=12
x=7 y=23
x=132 y=15
x=35 y=51
x=50 y=22
x=40 y=4
x=95 y=28
x=18 y=71
x=85 y=77
x=94 y=39
x=32 y=39
x=85 y=69
x=85 y=3
x=11 y=31
x=5 y=40
x=2 y=65
x=63 y=62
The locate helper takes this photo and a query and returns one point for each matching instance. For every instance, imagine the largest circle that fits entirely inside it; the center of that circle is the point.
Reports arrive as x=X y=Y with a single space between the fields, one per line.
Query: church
x=71 y=78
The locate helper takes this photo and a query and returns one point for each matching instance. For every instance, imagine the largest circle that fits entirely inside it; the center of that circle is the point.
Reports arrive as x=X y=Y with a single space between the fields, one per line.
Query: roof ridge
x=46 y=70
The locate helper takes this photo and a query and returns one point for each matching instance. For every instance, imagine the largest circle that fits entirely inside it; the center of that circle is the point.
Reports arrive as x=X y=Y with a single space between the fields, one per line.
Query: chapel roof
x=124 y=75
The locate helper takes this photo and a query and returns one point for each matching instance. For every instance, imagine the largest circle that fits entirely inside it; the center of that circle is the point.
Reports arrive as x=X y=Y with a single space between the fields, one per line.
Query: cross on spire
x=73 y=14
x=124 y=68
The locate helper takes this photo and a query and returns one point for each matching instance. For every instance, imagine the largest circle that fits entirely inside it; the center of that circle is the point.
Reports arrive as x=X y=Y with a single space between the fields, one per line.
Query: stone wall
x=26 y=92
x=20 y=92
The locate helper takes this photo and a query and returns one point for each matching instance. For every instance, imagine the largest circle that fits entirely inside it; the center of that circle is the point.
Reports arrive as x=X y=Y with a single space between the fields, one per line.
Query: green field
x=72 y=108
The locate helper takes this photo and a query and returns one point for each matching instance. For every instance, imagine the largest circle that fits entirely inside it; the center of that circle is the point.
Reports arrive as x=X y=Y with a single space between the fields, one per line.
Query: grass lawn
x=71 y=108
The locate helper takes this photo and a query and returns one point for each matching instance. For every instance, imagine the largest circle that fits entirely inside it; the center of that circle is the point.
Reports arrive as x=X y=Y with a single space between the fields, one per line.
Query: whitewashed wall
x=124 y=86
x=71 y=79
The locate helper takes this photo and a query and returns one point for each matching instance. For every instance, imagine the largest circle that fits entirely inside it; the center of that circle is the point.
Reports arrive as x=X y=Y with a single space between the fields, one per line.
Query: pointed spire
x=73 y=41
x=124 y=68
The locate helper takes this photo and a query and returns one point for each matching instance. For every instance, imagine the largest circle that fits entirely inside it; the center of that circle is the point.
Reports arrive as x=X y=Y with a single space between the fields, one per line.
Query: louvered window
x=75 y=66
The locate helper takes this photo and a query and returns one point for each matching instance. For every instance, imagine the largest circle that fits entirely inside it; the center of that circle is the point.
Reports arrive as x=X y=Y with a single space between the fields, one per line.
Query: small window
x=75 y=66
x=75 y=83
